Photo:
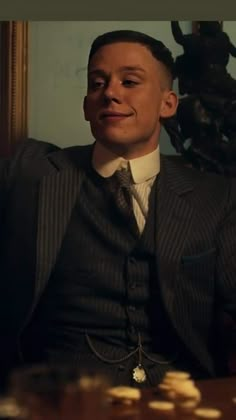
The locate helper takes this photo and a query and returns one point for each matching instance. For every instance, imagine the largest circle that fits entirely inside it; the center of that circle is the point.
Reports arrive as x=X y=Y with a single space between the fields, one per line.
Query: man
x=126 y=288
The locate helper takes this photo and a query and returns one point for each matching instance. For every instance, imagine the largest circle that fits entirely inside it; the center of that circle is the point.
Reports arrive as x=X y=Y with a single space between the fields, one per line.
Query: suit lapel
x=174 y=221
x=174 y=232
x=21 y=234
x=58 y=192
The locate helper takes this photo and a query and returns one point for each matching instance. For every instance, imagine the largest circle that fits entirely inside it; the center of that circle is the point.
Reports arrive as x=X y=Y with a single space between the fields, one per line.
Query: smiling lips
x=113 y=116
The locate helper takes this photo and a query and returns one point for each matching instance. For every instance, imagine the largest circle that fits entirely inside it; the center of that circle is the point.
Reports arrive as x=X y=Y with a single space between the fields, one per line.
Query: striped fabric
x=107 y=299
x=122 y=194
x=64 y=194
x=141 y=201
x=190 y=208
x=195 y=235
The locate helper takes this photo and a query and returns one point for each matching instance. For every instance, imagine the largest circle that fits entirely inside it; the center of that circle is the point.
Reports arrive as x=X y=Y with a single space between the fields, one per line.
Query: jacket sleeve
x=9 y=168
x=226 y=261
x=10 y=172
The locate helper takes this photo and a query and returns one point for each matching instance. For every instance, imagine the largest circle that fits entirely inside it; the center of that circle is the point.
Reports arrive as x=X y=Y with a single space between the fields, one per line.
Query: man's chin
x=119 y=147
x=116 y=140
x=117 y=143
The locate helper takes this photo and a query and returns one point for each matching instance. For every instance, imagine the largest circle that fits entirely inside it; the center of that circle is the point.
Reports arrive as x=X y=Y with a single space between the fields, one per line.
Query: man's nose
x=113 y=92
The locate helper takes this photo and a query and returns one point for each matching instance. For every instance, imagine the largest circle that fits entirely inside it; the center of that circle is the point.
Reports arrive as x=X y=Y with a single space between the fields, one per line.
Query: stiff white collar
x=142 y=168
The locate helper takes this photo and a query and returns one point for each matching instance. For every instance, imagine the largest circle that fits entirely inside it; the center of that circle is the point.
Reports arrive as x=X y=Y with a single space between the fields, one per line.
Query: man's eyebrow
x=95 y=72
x=132 y=68
x=101 y=72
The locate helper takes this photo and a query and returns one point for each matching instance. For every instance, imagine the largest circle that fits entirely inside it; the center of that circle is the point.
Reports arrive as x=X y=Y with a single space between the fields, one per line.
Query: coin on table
x=177 y=374
x=208 y=413
x=161 y=405
x=187 y=389
x=187 y=405
x=124 y=392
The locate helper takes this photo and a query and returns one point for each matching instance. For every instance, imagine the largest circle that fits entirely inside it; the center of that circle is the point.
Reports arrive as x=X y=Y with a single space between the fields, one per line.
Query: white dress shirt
x=143 y=169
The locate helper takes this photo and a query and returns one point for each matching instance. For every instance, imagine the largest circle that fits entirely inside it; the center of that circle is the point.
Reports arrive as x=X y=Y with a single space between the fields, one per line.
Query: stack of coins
x=123 y=394
x=181 y=390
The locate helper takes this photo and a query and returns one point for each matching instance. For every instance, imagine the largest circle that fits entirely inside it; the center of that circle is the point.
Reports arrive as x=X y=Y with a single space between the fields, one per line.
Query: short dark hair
x=156 y=47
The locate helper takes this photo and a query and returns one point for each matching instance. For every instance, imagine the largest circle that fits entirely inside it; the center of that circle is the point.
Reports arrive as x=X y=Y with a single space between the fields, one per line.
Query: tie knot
x=124 y=177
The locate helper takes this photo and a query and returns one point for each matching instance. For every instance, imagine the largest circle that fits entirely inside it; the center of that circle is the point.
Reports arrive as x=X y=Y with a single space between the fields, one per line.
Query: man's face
x=127 y=94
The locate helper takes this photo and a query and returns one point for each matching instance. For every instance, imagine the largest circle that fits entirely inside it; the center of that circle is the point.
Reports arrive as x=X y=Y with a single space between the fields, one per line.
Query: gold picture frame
x=13 y=85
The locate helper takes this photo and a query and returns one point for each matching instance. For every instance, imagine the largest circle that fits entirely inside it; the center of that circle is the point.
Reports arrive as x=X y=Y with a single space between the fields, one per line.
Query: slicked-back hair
x=156 y=47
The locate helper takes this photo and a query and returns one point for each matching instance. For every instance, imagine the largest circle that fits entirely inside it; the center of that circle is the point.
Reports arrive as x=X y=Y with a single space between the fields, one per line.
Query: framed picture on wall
x=13 y=84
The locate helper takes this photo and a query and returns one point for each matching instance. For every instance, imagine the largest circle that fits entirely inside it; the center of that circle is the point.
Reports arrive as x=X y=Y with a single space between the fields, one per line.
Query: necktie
x=121 y=186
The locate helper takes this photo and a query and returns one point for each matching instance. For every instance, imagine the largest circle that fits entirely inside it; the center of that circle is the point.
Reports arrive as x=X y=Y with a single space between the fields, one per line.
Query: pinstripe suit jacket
x=195 y=231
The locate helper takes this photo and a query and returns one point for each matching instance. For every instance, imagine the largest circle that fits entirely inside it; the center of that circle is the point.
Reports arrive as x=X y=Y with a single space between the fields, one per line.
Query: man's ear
x=169 y=104
x=85 y=108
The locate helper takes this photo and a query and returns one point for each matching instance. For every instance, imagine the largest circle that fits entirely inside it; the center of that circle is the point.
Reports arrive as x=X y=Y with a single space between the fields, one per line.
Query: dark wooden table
x=219 y=394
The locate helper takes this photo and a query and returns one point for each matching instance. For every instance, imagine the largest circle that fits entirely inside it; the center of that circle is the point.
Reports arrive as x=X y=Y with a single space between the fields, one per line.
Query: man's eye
x=130 y=82
x=96 y=84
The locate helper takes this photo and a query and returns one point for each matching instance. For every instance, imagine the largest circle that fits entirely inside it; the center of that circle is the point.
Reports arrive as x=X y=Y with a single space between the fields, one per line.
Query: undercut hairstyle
x=159 y=51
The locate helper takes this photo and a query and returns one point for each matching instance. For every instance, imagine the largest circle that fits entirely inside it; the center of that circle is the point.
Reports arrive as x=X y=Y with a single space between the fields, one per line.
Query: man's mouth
x=113 y=116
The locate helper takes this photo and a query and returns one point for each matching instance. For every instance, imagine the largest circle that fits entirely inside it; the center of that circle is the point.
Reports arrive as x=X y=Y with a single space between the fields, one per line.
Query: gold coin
x=175 y=374
x=208 y=413
x=124 y=392
x=161 y=405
